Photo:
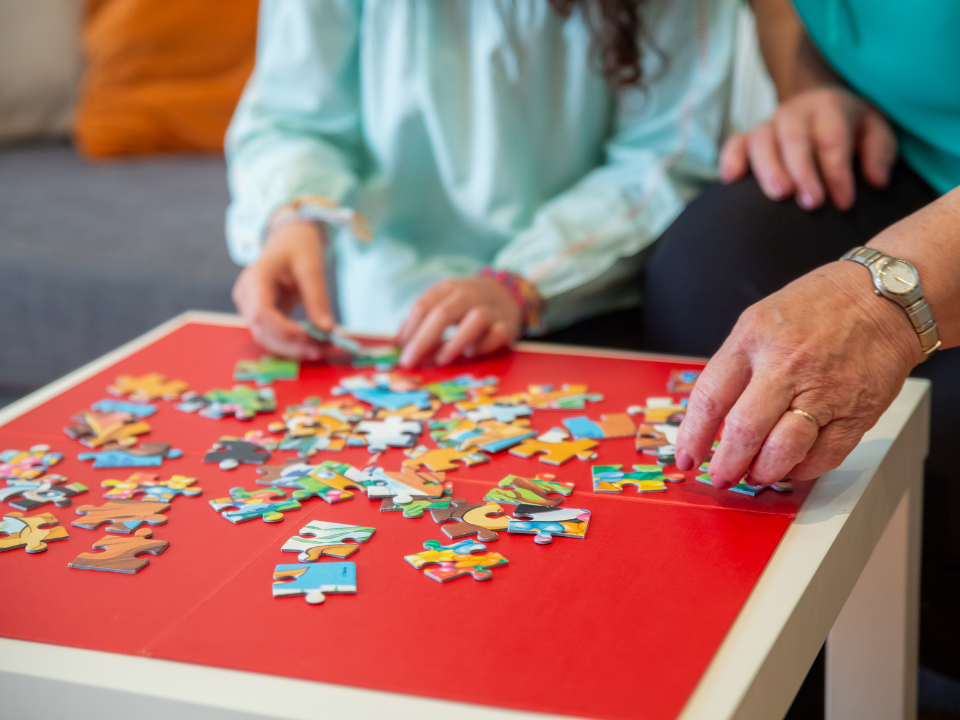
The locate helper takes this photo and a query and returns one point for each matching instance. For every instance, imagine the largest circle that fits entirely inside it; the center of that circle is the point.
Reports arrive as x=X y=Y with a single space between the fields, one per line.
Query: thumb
x=313 y=292
x=878 y=148
x=733 y=158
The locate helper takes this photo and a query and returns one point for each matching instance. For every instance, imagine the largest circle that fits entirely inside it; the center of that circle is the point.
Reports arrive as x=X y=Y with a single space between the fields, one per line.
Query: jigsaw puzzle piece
x=492 y=436
x=568 y=397
x=315 y=580
x=645 y=478
x=456 y=560
x=231 y=451
x=745 y=488
x=147 y=455
x=124 y=516
x=269 y=504
x=140 y=410
x=410 y=412
x=32 y=533
x=415 y=508
x=546 y=523
x=615 y=425
x=403 y=487
x=459 y=388
x=556 y=453
x=151 y=487
x=391 y=432
x=682 y=381
x=516 y=490
x=44 y=490
x=266 y=370
x=442 y=459
x=328 y=481
x=120 y=553
x=95 y=429
x=147 y=388
x=329 y=539
x=482 y=519
x=502 y=413
x=29 y=464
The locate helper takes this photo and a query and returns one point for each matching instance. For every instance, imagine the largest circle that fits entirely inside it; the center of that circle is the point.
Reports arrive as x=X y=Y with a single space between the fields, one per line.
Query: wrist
x=524 y=294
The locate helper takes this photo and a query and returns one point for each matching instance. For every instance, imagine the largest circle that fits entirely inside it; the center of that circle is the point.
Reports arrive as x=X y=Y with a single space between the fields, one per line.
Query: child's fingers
x=430 y=332
x=473 y=326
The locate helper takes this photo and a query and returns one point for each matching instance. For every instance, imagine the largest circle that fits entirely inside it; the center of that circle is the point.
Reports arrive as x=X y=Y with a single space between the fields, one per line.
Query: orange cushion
x=162 y=75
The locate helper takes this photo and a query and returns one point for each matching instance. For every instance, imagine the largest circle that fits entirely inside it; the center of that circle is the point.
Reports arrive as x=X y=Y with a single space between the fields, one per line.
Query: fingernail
x=775 y=191
x=684 y=461
x=806 y=200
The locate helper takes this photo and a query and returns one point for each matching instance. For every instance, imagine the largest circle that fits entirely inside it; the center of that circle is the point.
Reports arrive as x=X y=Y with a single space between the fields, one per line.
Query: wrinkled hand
x=488 y=317
x=825 y=344
x=810 y=142
x=289 y=271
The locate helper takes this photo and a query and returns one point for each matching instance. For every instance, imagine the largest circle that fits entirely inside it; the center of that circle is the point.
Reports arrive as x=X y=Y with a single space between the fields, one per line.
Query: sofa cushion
x=92 y=255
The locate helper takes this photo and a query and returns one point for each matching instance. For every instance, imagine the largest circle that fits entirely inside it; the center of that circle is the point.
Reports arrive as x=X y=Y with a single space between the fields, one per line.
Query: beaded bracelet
x=525 y=295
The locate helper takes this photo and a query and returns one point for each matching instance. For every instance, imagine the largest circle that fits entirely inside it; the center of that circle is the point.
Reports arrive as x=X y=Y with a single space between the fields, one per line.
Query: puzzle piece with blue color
x=31 y=533
x=151 y=487
x=490 y=435
x=266 y=370
x=456 y=560
x=330 y=481
x=682 y=381
x=615 y=425
x=124 y=516
x=745 y=488
x=148 y=388
x=315 y=580
x=516 y=490
x=403 y=487
x=269 y=504
x=329 y=539
x=645 y=478
x=107 y=405
x=242 y=402
x=547 y=523
x=43 y=490
x=461 y=387
x=147 y=455
x=442 y=459
x=27 y=464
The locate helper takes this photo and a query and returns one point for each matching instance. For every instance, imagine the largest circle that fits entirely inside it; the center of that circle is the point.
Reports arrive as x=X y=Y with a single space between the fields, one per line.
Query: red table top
x=621 y=624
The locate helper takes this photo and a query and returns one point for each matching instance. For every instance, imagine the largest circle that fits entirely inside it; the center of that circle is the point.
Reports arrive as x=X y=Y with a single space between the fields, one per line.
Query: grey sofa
x=94 y=254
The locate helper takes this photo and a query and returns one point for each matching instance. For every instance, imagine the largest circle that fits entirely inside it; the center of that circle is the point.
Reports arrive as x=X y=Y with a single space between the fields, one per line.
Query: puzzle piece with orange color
x=31 y=533
x=120 y=553
x=124 y=516
x=472 y=519
x=328 y=539
x=556 y=453
x=682 y=381
x=516 y=490
x=151 y=487
x=456 y=560
x=330 y=481
x=615 y=425
x=442 y=459
x=645 y=478
x=147 y=388
x=269 y=504
x=546 y=523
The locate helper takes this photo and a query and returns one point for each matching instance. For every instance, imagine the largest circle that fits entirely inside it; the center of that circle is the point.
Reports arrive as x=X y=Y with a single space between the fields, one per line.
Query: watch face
x=899 y=277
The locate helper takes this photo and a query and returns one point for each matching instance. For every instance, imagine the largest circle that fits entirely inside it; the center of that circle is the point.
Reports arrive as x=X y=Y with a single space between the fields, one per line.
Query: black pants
x=733 y=247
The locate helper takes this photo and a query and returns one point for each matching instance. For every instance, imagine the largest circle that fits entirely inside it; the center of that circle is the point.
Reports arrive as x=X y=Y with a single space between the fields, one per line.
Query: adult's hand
x=810 y=142
x=825 y=344
x=488 y=317
x=289 y=271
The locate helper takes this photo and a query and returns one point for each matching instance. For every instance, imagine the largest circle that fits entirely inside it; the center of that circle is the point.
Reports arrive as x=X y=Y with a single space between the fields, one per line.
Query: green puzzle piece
x=267 y=369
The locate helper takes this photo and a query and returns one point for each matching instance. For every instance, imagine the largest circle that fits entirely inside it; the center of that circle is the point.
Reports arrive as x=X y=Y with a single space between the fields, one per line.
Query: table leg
x=871 y=668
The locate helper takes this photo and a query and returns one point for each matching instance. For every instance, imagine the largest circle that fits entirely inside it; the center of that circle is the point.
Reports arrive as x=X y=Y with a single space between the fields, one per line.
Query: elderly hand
x=825 y=344
x=289 y=271
x=810 y=142
x=488 y=317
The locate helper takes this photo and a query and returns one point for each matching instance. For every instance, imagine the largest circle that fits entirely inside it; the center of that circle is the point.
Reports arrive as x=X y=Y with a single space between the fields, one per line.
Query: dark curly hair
x=616 y=28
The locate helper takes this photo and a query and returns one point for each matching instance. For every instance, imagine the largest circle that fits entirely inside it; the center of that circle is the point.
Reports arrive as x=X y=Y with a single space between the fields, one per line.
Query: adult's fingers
x=796 y=149
x=878 y=148
x=734 y=158
x=755 y=413
x=717 y=389
x=473 y=326
x=430 y=332
x=835 y=441
x=785 y=447
x=767 y=164
x=833 y=141
x=312 y=288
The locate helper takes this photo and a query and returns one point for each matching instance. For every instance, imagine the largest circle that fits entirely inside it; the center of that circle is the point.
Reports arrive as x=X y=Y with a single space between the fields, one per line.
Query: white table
x=847 y=570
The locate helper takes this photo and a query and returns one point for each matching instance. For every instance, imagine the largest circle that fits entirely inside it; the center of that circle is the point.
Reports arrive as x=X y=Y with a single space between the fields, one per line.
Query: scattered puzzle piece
x=315 y=580
x=147 y=455
x=410 y=412
x=231 y=451
x=456 y=560
x=32 y=533
x=442 y=459
x=392 y=432
x=568 y=397
x=151 y=487
x=147 y=388
x=471 y=518
x=459 y=388
x=95 y=429
x=29 y=464
x=546 y=523
x=119 y=406
x=496 y=411
x=745 y=488
x=242 y=402
x=663 y=409
x=328 y=481
x=416 y=507
x=490 y=435
x=266 y=370
x=646 y=478
x=120 y=553
x=124 y=516
x=267 y=504
x=682 y=381
x=615 y=425
x=44 y=490
x=515 y=490
x=403 y=487
x=556 y=453
x=329 y=540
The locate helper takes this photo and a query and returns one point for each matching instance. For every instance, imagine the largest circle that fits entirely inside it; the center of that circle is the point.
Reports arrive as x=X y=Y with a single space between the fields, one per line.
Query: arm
x=806 y=150
x=296 y=132
x=825 y=344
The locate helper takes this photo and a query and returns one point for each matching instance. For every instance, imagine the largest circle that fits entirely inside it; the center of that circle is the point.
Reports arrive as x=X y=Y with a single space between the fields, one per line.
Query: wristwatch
x=899 y=281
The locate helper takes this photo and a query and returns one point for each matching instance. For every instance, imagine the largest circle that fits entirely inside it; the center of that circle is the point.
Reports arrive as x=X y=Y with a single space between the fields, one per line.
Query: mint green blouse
x=474 y=133
x=905 y=58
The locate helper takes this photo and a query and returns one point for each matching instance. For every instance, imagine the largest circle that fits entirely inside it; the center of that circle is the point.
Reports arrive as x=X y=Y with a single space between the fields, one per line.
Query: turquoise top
x=476 y=133
x=905 y=58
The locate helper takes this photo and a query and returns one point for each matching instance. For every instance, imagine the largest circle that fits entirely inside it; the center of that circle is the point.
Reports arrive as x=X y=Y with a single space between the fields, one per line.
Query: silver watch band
x=919 y=313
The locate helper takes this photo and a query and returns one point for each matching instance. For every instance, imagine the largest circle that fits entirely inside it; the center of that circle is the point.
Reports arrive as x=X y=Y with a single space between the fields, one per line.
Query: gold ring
x=807 y=416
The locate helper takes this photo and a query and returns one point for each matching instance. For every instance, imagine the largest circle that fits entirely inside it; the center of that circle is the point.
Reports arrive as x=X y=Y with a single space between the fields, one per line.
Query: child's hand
x=289 y=271
x=488 y=316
